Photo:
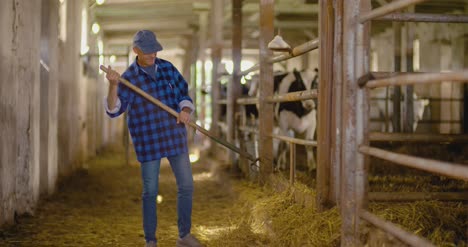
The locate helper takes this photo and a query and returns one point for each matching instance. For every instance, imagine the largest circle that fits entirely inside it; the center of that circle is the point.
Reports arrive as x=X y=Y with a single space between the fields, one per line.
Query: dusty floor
x=100 y=206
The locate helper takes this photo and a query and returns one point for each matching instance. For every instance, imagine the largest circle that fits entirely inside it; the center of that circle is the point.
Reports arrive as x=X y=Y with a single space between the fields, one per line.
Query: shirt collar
x=135 y=68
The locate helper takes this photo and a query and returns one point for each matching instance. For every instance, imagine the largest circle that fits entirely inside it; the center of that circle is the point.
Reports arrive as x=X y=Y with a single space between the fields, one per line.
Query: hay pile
x=443 y=223
x=270 y=218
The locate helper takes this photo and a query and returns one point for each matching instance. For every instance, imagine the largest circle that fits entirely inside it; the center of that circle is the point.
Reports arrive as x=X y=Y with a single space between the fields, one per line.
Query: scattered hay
x=269 y=218
x=443 y=223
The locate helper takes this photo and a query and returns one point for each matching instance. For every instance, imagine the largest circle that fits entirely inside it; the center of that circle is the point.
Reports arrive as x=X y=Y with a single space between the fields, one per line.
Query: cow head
x=300 y=85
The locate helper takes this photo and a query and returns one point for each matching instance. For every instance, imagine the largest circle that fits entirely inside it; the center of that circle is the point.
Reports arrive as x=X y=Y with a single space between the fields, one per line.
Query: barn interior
x=367 y=165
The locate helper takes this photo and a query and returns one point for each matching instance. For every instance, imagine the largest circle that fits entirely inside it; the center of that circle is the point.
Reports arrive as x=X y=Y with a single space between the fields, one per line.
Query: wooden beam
x=394 y=230
x=386 y=9
x=417 y=196
x=234 y=88
x=326 y=30
x=266 y=89
x=216 y=54
x=453 y=170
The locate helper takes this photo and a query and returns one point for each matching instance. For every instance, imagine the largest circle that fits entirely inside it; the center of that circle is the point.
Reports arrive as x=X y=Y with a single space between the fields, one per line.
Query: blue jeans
x=182 y=170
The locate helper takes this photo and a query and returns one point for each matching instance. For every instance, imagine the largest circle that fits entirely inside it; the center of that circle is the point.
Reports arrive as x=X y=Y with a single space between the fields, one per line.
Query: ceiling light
x=95 y=28
x=100 y=2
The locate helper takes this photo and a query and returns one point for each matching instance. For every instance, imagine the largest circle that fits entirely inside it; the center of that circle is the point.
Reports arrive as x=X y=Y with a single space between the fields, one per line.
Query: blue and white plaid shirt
x=154 y=132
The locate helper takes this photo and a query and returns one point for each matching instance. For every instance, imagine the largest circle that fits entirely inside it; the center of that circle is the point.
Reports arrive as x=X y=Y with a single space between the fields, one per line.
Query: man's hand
x=184 y=116
x=113 y=76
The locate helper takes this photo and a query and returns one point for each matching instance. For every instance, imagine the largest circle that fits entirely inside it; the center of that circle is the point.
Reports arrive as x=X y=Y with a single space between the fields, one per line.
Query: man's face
x=145 y=60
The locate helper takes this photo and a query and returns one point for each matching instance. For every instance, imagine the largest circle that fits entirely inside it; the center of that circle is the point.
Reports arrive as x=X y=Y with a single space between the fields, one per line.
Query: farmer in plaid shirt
x=155 y=133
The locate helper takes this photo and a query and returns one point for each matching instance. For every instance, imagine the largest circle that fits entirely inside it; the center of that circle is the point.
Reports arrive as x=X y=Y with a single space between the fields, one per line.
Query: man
x=155 y=133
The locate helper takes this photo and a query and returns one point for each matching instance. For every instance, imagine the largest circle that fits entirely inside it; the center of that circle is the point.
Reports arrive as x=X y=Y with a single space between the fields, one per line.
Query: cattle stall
x=343 y=135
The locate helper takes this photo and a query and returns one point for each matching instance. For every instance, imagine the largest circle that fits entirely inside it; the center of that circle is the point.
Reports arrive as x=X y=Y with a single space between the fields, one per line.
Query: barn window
x=374 y=61
x=416 y=63
x=63 y=20
x=84 y=31
x=101 y=51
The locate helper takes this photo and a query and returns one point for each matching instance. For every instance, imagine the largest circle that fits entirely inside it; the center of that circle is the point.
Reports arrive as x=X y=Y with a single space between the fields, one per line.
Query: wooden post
x=292 y=162
x=234 y=88
x=397 y=89
x=355 y=105
x=465 y=107
x=126 y=133
x=408 y=100
x=266 y=90
x=216 y=54
x=325 y=113
x=336 y=123
x=202 y=57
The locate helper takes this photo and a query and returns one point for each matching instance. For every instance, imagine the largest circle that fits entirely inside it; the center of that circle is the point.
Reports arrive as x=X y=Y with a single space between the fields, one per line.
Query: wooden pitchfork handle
x=175 y=114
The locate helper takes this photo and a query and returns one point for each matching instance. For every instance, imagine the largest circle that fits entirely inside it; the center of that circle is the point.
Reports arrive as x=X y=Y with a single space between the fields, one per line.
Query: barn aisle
x=100 y=206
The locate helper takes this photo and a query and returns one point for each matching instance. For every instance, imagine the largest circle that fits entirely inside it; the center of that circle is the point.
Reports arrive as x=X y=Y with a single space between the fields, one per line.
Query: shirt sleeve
x=118 y=105
x=184 y=99
x=125 y=97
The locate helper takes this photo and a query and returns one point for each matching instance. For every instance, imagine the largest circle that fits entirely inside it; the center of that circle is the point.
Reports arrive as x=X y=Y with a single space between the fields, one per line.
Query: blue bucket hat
x=146 y=41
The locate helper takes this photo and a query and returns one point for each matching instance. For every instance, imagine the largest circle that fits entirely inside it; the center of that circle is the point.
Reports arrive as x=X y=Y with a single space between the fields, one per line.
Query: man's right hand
x=113 y=76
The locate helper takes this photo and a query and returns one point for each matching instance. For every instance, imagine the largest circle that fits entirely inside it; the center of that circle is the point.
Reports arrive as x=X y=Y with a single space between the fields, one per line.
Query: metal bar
x=297 y=51
x=294 y=140
x=425 y=121
x=222 y=101
x=380 y=75
x=394 y=230
x=431 y=99
x=417 y=196
x=420 y=17
x=175 y=114
x=247 y=101
x=292 y=162
x=251 y=69
x=453 y=170
x=248 y=130
x=103 y=54
x=415 y=137
x=386 y=9
x=294 y=96
x=429 y=121
x=287 y=97
x=421 y=78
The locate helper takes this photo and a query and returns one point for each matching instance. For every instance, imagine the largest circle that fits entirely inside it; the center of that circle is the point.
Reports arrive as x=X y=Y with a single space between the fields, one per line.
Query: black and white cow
x=379 y=105
x=300 y=117
x=250 y=111
x=296 y=119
